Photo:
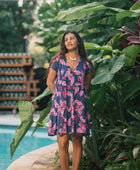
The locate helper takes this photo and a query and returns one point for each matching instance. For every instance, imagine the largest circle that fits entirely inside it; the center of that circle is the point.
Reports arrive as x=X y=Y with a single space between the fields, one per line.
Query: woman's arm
x=88 y=80
x=51 y=78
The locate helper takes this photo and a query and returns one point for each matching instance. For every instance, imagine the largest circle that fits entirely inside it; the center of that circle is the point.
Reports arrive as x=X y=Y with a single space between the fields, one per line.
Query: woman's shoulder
x=86 y=61
x=58 y=57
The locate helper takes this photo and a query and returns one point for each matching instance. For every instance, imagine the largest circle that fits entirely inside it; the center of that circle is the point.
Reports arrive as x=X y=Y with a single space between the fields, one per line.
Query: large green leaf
x=96 y=8
x=107 y=74
x=26 y=111
x=75 y=12
x=83 y=11
x=136 y=6
x=91 y=45
x=44 y=113
x=96 y=46
x=124 y=14
x=54 y=49
x=130 y=54
x=46 y=92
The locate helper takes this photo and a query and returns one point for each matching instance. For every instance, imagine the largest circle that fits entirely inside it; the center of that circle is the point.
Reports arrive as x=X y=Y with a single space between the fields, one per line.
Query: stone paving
x=40 y=159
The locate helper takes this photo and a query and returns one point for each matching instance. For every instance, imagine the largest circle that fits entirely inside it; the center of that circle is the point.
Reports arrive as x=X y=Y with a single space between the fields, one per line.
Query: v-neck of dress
x=75 y=66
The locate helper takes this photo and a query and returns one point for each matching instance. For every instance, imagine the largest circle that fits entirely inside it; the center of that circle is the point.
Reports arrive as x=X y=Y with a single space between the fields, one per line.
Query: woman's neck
x=73 y=54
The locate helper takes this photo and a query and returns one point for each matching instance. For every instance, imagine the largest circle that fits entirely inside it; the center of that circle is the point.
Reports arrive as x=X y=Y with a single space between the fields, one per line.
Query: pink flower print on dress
x=78 y=84
x=72 y=80
x=67 y=74
x=54 y=126
x=64 y=93
x=84 y=65
x=62 y=62
x=75 y=118
x=78 y=102
x=76 y=89
x=80 y=79
x=81 y=93
x=58 y=93
x=53 y=112
x=82 y=120
x=79 y=130
x=63 y=104
x=62 y=71
x=79 y=107
x=61 y=114
x=69 y=122
x=63 y=83
x=88 y=64
x=71 y=97
x=69 y=87
x=65 y=127
x=82 y=128
x=78 y=72
x=50 y=123
x=85 y=97
x=61 y=131
x=60 y=88
x=88 y=116
x=56 y=104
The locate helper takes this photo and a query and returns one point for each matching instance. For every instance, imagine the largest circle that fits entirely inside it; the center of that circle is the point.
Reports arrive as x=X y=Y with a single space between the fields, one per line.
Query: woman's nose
x=69 y=40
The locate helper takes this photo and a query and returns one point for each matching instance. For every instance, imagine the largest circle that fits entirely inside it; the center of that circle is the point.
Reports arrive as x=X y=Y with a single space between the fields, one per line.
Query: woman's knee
x=77 y=139
x=63 y=141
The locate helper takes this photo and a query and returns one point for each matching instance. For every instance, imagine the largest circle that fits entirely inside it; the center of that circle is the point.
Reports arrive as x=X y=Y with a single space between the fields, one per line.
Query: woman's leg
x=63 y=143
x=77 y=150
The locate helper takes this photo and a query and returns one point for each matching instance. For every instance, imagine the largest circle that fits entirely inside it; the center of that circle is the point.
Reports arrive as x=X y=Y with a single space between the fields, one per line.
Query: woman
x=69 y=80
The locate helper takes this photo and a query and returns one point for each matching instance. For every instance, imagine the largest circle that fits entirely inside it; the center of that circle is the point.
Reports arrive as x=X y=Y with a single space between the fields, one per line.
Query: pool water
x=29 y=143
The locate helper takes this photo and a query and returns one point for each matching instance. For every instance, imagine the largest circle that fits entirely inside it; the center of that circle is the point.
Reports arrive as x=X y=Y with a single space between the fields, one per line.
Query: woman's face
x=70 y=42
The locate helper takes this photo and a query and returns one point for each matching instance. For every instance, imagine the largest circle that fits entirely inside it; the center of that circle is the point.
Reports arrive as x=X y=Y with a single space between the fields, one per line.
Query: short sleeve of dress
x=89 y=67
x=54 y=64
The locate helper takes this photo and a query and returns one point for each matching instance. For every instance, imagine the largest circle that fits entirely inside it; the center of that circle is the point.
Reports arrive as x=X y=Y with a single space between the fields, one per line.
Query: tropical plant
x=115 y=85
x=48 y=27
x=13 y=28
x=26 y=110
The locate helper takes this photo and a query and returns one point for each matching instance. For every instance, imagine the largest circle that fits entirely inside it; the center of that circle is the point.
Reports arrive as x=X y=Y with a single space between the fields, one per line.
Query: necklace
x=73 y=59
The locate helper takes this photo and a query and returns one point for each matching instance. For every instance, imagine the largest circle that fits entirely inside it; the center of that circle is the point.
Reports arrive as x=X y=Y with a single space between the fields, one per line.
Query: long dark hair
x=63 y=50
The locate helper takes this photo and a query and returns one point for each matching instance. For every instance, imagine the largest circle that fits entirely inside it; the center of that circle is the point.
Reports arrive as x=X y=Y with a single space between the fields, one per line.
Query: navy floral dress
x=70 y=111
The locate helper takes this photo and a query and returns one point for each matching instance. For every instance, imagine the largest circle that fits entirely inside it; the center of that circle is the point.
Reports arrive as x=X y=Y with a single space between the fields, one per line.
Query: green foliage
x=56 y=157
x=46 y=92
x=12 y=31
x=106 y=73
x=26 y=111
x=41 y=121
x=130 y=54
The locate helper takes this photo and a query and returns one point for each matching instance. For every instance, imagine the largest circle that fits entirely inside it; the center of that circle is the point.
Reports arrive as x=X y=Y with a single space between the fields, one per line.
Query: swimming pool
x=29 y=143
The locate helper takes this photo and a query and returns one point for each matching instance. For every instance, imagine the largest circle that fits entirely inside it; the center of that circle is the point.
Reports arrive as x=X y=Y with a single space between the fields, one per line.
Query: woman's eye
x=72 y=38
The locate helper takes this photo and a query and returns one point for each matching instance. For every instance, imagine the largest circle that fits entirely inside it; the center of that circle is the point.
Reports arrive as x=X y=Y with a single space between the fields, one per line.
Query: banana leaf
x=26 y=111
x=107 y=74
x=44 y=113
x=46 y=92
x=130 y=54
